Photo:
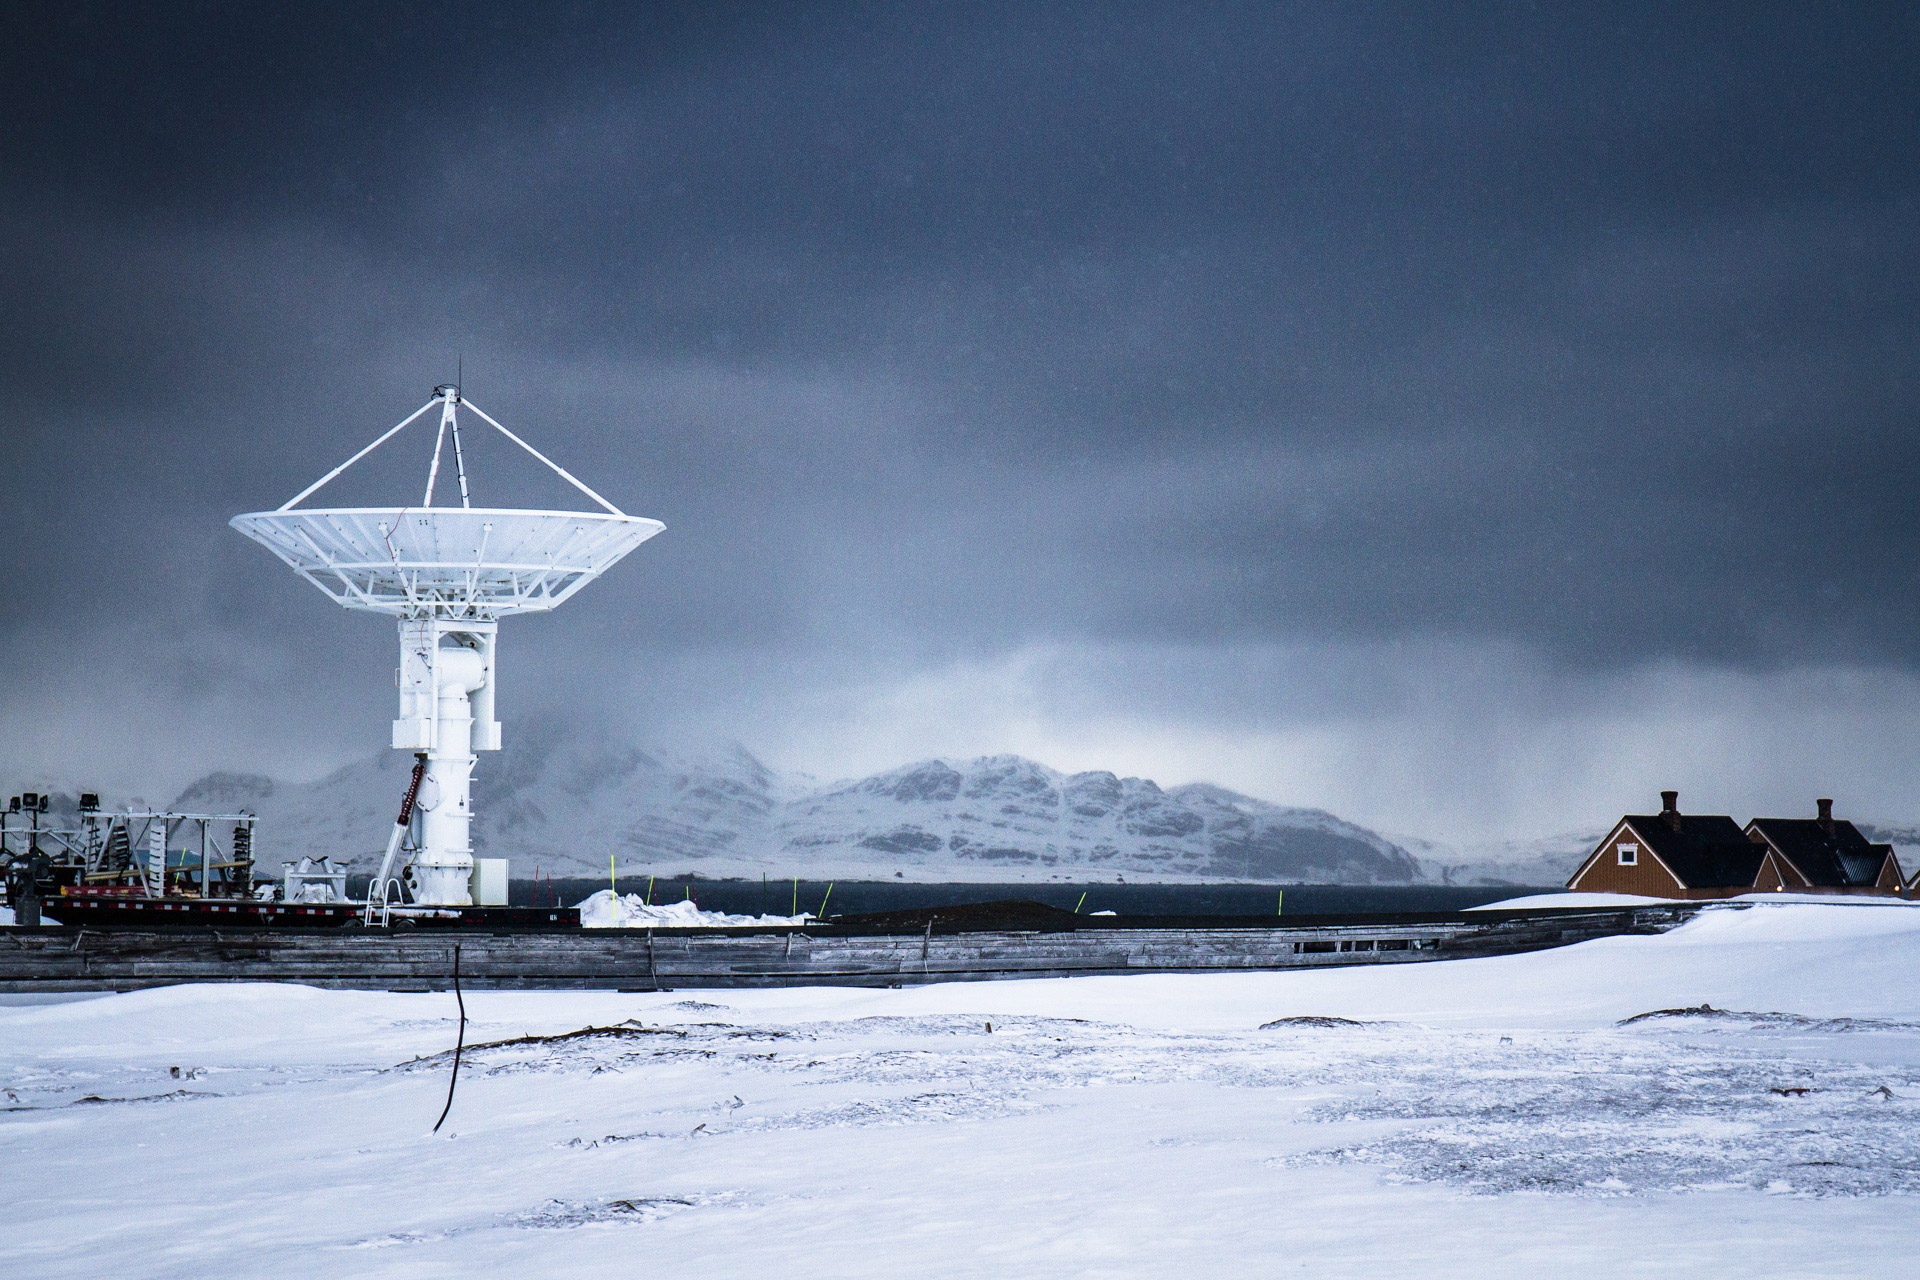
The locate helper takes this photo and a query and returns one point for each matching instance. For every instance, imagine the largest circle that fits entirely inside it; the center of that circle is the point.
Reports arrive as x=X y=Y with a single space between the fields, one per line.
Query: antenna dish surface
x=450 y=562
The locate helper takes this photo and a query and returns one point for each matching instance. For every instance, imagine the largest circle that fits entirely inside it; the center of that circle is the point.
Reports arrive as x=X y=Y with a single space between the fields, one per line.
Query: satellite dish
x=448 y=574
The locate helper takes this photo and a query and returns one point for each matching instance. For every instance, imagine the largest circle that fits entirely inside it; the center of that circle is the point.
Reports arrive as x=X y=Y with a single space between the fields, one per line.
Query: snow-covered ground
x=1501 y=1117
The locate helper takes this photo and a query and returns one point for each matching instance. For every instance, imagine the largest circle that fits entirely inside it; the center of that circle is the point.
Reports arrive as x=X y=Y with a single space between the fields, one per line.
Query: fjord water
x=778 y=897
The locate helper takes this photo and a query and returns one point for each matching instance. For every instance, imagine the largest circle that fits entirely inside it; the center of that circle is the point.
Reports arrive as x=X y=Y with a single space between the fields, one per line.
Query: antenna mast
x=447 y=575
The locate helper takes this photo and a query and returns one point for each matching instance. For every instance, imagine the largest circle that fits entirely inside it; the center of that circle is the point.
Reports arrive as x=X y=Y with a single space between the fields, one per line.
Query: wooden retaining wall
x=68 y=959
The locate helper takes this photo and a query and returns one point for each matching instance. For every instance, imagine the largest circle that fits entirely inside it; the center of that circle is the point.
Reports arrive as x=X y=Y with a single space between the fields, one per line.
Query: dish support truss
x=448 y=574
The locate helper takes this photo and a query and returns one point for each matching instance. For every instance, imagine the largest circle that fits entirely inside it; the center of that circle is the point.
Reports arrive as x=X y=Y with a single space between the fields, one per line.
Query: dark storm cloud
x=964 y=326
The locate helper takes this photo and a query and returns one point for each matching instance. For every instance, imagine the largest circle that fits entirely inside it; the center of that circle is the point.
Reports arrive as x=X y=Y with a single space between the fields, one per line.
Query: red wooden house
x=1674 y=855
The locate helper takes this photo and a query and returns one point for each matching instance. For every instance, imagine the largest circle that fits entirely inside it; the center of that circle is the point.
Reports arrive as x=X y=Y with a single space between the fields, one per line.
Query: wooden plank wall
x=63 y=959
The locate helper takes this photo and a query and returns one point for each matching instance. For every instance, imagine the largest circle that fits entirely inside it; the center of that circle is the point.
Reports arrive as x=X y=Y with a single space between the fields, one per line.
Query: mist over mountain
x=566 y=795
x=563 y=798
x=564 y=802
x=1546 y=860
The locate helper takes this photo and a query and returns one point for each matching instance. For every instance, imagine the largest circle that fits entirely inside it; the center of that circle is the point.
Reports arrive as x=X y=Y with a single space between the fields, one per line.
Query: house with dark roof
x=1674 y=855
x=1828 y=854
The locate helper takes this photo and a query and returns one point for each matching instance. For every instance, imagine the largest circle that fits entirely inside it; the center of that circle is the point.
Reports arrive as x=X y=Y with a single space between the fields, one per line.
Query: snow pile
x=6 y=915
x=597 y=912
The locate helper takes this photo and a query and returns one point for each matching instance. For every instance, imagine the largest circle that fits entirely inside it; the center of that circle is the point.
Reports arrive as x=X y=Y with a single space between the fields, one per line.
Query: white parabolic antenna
x=448 y=574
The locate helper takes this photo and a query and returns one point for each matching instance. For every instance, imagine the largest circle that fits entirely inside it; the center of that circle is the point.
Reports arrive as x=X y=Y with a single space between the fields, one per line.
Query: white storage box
x=488 y=884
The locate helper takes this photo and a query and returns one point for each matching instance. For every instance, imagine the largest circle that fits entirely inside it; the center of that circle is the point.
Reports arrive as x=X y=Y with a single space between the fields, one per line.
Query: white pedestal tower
x=448 y=574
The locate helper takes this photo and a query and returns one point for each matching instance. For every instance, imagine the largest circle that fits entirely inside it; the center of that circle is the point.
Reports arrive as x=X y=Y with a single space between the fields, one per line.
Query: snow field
x=1490 y=1116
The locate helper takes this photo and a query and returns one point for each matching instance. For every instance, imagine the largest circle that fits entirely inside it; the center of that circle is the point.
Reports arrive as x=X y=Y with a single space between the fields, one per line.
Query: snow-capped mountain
x=554 y=804
x=1005 y=818
x=563 y=803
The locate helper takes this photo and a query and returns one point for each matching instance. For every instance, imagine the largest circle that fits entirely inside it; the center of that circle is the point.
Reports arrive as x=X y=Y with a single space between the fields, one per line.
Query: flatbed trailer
x=135 y=911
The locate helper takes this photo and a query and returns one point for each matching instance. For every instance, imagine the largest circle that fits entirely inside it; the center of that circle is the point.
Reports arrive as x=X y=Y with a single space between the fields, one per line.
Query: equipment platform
x=133 y=911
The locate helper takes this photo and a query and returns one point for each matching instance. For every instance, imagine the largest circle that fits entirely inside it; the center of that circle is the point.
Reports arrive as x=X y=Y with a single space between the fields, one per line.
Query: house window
x=1629 y=853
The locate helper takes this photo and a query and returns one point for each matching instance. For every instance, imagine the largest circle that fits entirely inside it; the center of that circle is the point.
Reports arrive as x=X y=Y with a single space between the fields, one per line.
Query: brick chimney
x=1670 y=808
x=1826 y=815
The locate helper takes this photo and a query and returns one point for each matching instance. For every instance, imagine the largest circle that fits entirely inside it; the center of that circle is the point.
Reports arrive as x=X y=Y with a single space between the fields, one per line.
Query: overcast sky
x=1468 y=419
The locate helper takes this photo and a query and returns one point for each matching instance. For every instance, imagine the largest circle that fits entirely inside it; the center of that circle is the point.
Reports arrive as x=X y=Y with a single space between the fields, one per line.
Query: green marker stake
x=796 y=897
x=1279 y=901
x=649 y=890
x=823 y=901
x=613 y=882
x=1079 y=904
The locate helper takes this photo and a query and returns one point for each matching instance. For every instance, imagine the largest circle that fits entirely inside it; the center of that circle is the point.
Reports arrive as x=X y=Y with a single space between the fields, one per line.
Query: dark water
x=850 y=897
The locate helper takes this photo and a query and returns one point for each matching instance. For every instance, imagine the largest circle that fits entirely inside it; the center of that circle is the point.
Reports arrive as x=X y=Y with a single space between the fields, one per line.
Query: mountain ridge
x=563 y=800
x=564 y=803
